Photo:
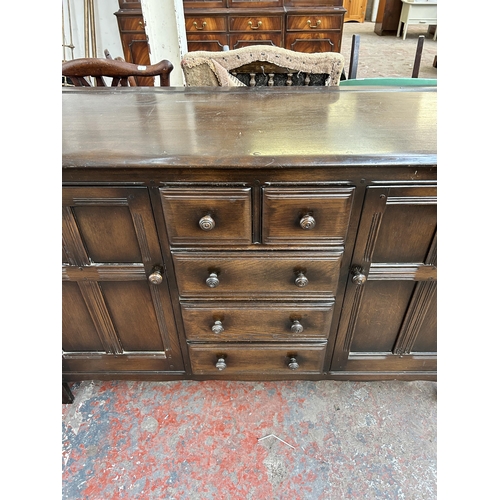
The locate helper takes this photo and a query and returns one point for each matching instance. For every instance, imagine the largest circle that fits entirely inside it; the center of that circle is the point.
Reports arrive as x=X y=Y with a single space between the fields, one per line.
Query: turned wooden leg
x=67 y=395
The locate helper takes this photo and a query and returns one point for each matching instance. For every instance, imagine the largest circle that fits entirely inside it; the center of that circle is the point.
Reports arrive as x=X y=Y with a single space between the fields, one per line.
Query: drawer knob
x=221 y=364
x=155 y=277
x=212 y=281
x=259 y=24
x=297 y=327
x=318 y=22
x=301 y=280
x=203 y=24
x=217 y=328
x=307 y=222
x=357 y=276
x=293 y=365
x=207 y=223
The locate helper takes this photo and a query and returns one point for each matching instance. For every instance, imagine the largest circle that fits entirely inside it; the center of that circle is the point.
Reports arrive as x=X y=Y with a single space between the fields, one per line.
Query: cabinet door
x=388 y=321
x=116 y=316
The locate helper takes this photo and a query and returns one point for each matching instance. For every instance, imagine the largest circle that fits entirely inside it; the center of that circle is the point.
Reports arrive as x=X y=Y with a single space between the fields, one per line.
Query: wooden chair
x=261 y=65
x=81 y=71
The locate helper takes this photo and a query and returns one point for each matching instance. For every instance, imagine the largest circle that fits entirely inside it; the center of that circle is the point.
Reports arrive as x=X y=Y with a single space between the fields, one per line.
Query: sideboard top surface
x=248 y=128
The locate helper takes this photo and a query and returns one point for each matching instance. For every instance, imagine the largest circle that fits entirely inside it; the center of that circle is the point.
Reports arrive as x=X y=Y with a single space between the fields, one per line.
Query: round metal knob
x=155 y=277
x=297 y=327
x=358 y=277
x=212 y=281
x=301 y=280
x=307 y=222
x=293 y=365
x=207 y=223
x=221 y=364
x=217 y=328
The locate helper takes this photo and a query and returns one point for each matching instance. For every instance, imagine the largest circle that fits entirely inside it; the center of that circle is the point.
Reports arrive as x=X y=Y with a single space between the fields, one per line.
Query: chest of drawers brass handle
x=212 y=281
x=307 y=222
x=301 y=280
x=259 y=24
x=318 y=22
x=195 y=24
x=217 y=328
x=207 y=223
x=221 y=363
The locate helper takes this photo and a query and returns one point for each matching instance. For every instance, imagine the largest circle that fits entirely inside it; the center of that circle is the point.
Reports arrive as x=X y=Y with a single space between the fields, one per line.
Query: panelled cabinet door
x=388 y=321
x=116 y=307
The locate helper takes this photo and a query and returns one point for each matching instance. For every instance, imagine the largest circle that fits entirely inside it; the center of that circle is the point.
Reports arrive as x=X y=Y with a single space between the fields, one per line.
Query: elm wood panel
x=387 y=313
x=243 y=321
x=229 y=208
x=255 y=24
x=208 y=42
x=199 y=128
x=257 y=274
x=78 y=330
x=246 y=39
x=389 y=362
x=206 y=23
x=125 y=363
x=256 y=359
x=284 y=208
x=314 y=22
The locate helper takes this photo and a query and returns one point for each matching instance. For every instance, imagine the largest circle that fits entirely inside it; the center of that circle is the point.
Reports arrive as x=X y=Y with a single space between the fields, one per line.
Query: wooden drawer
x=313 y=22
x=316 y=216
x=255 y=24
x=198 y=24
x=313 y=41
x=212 y=42
x=228 y=210
x=245 y=39
x=243 y=321
x=131 y=24
x=256 y=359
x=258 y=274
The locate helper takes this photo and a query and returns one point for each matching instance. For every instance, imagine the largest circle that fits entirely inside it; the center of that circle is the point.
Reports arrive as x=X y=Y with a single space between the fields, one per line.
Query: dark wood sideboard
x=301 y=25
x=249 y=234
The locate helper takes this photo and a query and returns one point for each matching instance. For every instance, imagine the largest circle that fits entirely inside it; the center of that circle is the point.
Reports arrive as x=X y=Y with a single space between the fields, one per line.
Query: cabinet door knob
x=207 y=223
x=155 y=277
x=217 y=328
x=221 y=363
x=293 y=365
x=301 y=280
x=212 y=281
x=357 y=276
x=307 y=222
x=297 y=327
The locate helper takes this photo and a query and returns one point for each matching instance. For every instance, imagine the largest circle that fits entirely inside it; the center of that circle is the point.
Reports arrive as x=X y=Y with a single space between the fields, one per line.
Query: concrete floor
x=324 y=440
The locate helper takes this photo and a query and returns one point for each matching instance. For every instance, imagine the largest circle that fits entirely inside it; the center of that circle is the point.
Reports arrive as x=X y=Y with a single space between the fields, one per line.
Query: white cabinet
x=417 y=12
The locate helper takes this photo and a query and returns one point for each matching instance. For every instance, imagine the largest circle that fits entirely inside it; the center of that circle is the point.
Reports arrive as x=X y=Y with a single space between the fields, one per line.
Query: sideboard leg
x=67 y=395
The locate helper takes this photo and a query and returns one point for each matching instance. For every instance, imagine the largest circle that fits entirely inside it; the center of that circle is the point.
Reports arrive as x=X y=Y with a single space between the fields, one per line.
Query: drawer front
x=257 y=274
x=241 y=321
x=246 y=39
x=255 y=24
x=209 y=42
x=256 y=359
x=204 y=216
x=421 y=11
x=313 y=23
x=129 y=23
x=195 y=24
x=313 y=41
x=315 y=216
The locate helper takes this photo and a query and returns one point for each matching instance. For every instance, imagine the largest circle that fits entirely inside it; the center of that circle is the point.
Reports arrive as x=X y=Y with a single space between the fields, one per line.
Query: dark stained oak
x=277 y=233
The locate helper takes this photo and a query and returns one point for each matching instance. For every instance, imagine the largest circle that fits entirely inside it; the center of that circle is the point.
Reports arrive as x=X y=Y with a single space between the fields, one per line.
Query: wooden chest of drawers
x=301 y=25
x=197 y=244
